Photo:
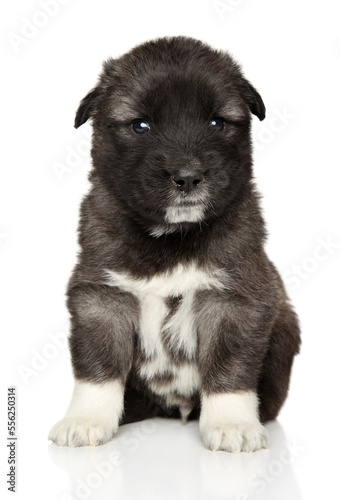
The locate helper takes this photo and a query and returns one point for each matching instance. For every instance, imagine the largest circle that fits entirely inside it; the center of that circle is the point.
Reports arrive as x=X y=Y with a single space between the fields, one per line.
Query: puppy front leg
x=103 y=323
x=232 y=345
x=229 y=421
x=93 y=414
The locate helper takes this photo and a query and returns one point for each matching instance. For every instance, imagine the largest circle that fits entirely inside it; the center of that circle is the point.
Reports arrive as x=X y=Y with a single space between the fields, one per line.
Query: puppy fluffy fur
x=176 y=311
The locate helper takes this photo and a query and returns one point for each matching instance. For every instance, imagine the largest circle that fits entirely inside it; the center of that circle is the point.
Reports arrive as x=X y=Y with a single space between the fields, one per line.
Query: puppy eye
x=217 y=123
x=140 y=126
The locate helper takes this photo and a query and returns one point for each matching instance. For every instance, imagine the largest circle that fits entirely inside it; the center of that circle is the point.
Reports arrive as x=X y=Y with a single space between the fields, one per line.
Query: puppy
x=176 y=311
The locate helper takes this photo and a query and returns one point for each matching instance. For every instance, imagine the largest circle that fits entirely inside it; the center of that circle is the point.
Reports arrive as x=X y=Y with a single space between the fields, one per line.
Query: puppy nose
x=186 y=180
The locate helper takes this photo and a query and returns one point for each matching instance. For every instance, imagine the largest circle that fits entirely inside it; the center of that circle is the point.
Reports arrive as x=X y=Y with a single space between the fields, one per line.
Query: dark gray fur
x=248 y=334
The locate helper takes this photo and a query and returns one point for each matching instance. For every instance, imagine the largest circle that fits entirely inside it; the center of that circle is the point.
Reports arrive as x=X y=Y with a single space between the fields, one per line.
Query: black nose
x=186 y=180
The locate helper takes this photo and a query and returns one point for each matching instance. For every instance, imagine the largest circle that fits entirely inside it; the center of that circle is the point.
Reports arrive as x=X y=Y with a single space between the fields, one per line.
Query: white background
x=290 y=51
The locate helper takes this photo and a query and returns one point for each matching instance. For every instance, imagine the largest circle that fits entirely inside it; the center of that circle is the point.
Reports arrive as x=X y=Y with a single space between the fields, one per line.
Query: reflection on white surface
x=163 y=459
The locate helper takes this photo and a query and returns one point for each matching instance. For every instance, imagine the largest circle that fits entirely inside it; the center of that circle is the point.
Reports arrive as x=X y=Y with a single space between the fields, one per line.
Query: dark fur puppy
x=175 y=308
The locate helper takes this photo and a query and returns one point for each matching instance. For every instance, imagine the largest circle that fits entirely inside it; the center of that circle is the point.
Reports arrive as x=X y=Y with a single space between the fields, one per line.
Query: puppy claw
x=75 y=432
x=235 y=438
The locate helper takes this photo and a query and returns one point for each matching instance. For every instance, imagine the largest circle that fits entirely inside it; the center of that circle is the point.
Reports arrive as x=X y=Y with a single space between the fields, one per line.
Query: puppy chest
x=168 y=344
x=167 y=332
x=167 y=323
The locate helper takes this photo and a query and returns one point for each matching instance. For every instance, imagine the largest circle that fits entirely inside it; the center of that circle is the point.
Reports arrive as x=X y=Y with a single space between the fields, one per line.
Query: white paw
x=235 y=437
x=93 y=414
x=81 y=432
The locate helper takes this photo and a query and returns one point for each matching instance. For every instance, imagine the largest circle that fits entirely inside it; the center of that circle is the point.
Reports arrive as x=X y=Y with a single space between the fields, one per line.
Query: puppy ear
x=254 y=100
x=87 y=107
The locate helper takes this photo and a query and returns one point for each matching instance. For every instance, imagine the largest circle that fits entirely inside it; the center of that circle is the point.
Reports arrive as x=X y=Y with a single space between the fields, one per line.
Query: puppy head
x=171 y=136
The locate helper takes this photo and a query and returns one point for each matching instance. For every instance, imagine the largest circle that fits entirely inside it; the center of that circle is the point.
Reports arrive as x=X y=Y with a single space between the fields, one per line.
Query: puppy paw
x=81 y=432
x=235 y=437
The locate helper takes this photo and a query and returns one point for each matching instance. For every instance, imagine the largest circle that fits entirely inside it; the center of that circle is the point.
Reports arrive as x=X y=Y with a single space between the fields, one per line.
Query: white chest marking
x=179 y=329
x=173 y=283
